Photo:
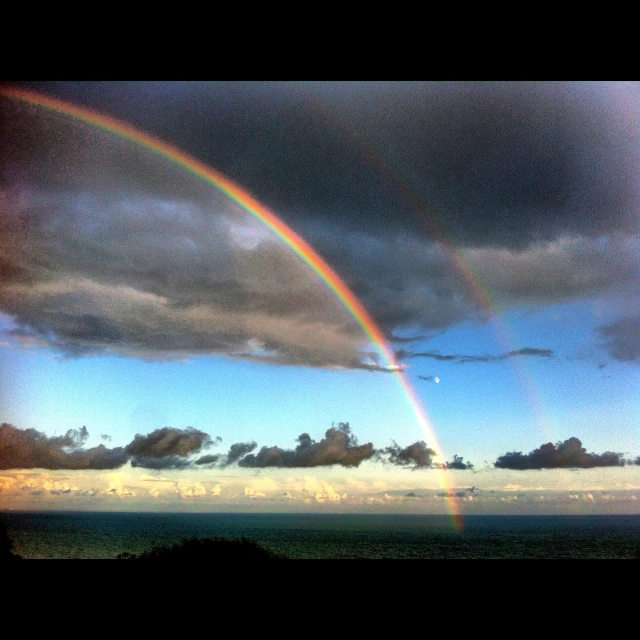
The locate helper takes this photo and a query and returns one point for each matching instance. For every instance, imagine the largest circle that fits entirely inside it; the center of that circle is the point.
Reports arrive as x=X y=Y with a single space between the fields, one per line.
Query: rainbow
x=428 y=217
x=297 y=244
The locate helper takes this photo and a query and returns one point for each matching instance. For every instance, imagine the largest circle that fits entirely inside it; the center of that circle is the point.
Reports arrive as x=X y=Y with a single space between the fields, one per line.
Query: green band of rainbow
x=285 y=233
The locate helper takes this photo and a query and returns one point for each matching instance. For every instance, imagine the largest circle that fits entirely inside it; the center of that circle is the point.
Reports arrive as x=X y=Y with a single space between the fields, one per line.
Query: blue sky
x=137 y=298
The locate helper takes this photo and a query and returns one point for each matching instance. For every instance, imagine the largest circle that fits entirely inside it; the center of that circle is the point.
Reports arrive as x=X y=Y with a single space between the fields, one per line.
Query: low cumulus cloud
x=339 y=446
x=31 y=449
x=417 y=455
x=172 y=448
x=563 y=455
x=209 y=459
x=167 y=448
x=458 y=463
x=237 y=451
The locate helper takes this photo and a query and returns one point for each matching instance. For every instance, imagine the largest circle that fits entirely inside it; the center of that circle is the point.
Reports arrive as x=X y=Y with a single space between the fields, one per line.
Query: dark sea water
x=324 y=536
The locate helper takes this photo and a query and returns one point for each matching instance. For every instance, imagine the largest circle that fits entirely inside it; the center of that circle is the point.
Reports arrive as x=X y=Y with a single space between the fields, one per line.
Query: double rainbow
x=285 y=233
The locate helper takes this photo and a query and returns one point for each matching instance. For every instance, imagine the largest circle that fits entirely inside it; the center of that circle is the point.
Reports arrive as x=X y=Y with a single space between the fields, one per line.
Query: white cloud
x=196 y=490
x=513 y=487
x=252 y=493
x=7 y=483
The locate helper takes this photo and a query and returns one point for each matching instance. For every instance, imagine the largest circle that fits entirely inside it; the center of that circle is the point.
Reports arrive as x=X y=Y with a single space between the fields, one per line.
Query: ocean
x=104 y=535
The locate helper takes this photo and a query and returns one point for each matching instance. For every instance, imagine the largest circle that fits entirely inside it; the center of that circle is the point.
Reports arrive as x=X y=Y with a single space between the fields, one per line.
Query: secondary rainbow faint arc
x=285 y=233
x=427 y=216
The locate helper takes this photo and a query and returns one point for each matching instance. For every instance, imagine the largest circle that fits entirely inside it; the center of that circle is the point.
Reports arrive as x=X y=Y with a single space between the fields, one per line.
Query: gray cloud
x=530 y=351
x=459 y=464
x=435 y=287
x=237 y=451
x=162 y=462
x=528 y=191
x=403 y=354
x=172 y=448
x=567 y=454
x=167 y=448
x=339 y=446
x=31 y=449
x=209 y=459
x=498 y=163
x=159 y=267
x=416 y=455
x=622 y=338
x=169 y=441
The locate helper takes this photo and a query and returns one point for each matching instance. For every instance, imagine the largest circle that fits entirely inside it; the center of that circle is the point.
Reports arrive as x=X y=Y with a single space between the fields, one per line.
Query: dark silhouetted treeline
x=207 y=549
x=6 y=545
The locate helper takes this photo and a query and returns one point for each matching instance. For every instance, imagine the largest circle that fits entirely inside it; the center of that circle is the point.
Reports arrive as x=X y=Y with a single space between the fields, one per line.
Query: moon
x=436 y=380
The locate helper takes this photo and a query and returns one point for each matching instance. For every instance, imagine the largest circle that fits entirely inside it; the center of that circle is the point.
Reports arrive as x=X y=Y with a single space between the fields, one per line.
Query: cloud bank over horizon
x=173 y=448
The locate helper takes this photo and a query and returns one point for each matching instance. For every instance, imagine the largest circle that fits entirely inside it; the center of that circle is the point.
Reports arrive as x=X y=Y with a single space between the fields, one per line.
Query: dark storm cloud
x=159 y=267
x=403 y=354
x=410 y=284
x=422 y=196
x=563 y=455
x=622 y=338
x=502 y=163
x=31 y=449
x=339 y=446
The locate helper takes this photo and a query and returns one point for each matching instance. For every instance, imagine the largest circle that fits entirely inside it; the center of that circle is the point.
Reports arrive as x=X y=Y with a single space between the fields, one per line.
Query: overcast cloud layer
x=406 y=189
